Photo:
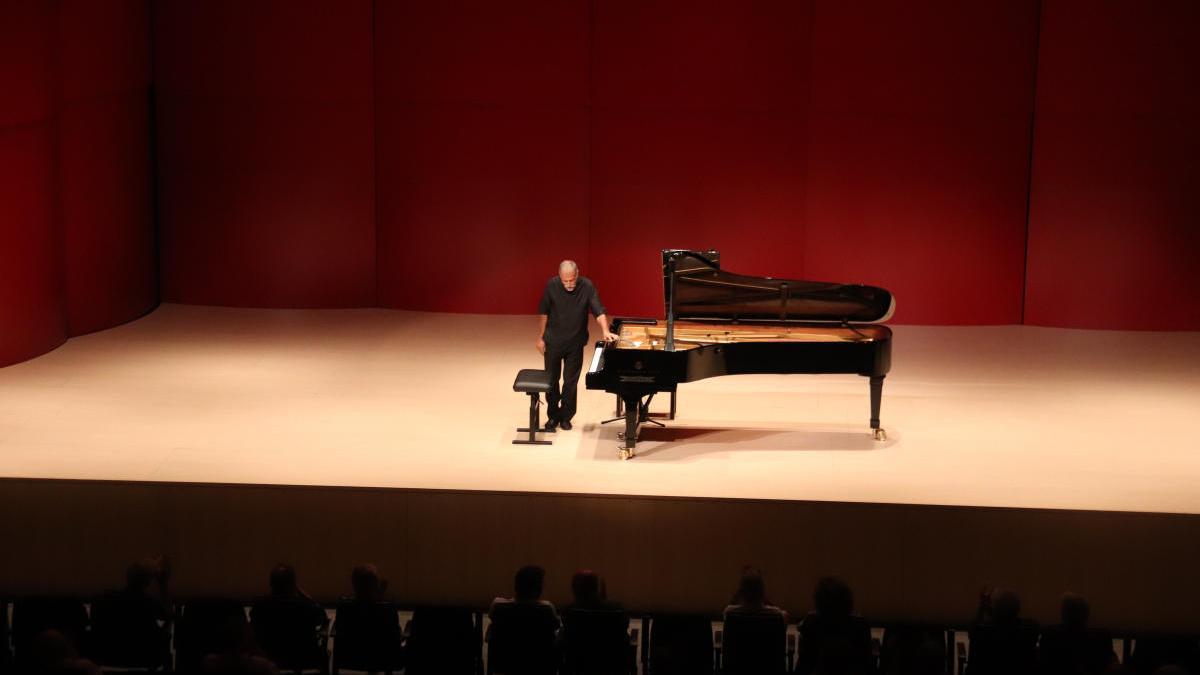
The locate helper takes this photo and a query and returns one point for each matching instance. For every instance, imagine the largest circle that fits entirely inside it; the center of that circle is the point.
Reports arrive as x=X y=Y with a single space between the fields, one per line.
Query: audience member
x=588 y=592
x=1071 y=647
x=288 y=623
x=595 y=631
x=51 y=653
x=235 y=653
x=522 y=635
x=751 y=596
x=755 y=631
x=1001 y=641
x=367 y=626
x=527 y=590
x=833 y=639
x=132 y=626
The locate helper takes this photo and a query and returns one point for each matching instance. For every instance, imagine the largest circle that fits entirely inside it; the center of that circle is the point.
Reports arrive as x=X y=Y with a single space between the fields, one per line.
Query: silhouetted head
x=283 y=580
x=833 y=598
x=50 y=649
x=1006 y=605
x=752 y=590
x=140 y=575
x=367 y=583
x=1075 y=611
x=585 y=587
x=527 y=584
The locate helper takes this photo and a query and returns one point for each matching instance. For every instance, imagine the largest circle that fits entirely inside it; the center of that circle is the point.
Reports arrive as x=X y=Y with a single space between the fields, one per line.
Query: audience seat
x=521 y=640
x=680 y=644
x=596 y=642
x=444 y=641
x=754 y=644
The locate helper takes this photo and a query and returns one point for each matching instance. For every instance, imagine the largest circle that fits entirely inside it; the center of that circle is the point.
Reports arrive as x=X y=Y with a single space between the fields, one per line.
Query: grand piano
x=720 y=323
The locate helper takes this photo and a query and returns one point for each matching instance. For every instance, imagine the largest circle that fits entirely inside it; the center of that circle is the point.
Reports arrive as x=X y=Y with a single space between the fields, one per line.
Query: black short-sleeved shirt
x=567 y=326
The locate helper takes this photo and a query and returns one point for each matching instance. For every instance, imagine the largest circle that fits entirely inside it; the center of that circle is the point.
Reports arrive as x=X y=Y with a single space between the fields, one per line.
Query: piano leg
x=633 y=419
x=876 y=399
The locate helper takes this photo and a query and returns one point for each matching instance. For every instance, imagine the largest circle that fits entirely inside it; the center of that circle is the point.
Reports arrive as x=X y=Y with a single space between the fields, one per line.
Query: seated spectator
x=1002 y=643
x=833 y=639
x=751 y=596
x=527 y=590
x=521 y=637
x=588 y=592
x=367 y=629
x=909 y=649
x=288 y=624
x=755 y=631
x=51 y=653
x=1071 y=648
x=131 y=627
x=595 y=632
x=235 y=653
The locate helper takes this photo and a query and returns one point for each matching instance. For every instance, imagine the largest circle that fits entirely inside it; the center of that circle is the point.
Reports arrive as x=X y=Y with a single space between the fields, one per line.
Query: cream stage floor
x=1009 y=416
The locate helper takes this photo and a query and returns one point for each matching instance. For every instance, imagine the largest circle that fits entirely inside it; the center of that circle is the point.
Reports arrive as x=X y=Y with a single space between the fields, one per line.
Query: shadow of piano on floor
x=675 y=443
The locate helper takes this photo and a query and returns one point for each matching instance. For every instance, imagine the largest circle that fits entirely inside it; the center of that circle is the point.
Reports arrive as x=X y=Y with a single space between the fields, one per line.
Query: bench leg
x=534 y=423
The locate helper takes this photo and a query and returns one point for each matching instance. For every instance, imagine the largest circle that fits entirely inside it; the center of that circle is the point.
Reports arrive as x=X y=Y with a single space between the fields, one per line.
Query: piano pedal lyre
x=880 y=435
x=624 y=453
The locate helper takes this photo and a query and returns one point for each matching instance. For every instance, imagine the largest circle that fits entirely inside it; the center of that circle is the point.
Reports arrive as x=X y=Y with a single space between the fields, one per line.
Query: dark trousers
x=566 y=363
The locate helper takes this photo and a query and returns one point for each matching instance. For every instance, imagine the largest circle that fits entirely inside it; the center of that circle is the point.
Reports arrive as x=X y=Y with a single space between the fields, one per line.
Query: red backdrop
x=104 y=163
x=76 y=234
x=1114 y=227
x=988 y=162
x=265 y=133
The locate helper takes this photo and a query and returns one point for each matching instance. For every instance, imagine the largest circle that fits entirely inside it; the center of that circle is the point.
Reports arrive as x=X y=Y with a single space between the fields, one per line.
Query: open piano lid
x=695 y=287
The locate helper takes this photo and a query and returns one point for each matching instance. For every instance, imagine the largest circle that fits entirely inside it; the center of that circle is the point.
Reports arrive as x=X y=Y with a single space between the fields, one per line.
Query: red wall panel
x=31 y=294
x=104 y=163
x=28 y=62
x=106 y=200
x=697 y=142
x=670 y=178
x=104 y=47
x=265 y=146
x=704 y=54
x=482 y=151
x=264 y=204
x=918 y=154
x=1114 y=223
x=478 y=206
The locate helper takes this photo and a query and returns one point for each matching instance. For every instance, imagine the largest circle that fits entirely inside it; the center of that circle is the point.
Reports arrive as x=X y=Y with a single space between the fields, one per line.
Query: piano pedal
x=880 y=435
x=624 y=453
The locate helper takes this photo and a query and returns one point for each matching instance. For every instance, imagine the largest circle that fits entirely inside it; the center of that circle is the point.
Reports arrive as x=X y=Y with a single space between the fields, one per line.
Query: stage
x=1040 y=459
x=1008 y=416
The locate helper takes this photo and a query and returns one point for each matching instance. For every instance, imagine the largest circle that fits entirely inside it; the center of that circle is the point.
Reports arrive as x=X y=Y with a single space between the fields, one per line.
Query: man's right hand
x=541 y=346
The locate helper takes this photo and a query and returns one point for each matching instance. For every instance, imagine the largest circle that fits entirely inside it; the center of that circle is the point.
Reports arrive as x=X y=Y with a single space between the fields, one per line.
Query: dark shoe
x=565 y=424
x=551 y=424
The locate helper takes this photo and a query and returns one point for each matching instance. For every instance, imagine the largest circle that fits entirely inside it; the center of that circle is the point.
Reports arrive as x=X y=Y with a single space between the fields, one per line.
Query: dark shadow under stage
x=1042 y=459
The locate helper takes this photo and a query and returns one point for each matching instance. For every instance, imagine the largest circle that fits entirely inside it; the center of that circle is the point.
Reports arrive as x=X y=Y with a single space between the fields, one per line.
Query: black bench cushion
x=530 y=380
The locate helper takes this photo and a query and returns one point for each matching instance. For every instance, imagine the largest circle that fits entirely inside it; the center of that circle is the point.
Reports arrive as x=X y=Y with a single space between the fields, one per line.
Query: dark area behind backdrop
x=990 y=163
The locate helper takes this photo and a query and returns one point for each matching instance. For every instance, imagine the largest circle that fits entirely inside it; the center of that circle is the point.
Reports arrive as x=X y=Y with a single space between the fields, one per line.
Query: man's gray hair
x=569 y=266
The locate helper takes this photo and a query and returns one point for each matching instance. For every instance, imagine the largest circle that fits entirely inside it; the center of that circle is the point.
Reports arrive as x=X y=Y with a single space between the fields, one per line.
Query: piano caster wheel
x=624 y=453
x=880 y=435
x=620 y=435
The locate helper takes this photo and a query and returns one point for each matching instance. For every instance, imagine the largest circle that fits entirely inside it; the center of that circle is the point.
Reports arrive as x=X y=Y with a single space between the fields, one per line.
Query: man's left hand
x=609 y=337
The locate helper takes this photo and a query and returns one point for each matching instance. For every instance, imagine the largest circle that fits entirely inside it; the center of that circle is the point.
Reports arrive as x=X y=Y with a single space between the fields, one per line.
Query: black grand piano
x=719 y=323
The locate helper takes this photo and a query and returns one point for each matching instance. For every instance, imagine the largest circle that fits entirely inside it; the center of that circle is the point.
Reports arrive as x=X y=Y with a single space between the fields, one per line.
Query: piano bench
x=533 y=382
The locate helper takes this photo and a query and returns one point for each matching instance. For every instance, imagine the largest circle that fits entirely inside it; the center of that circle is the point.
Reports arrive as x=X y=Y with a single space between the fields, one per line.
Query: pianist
x=562 y=335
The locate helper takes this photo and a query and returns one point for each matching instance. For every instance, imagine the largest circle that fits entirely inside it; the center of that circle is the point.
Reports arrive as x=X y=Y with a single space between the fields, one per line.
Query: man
x=562 y=335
